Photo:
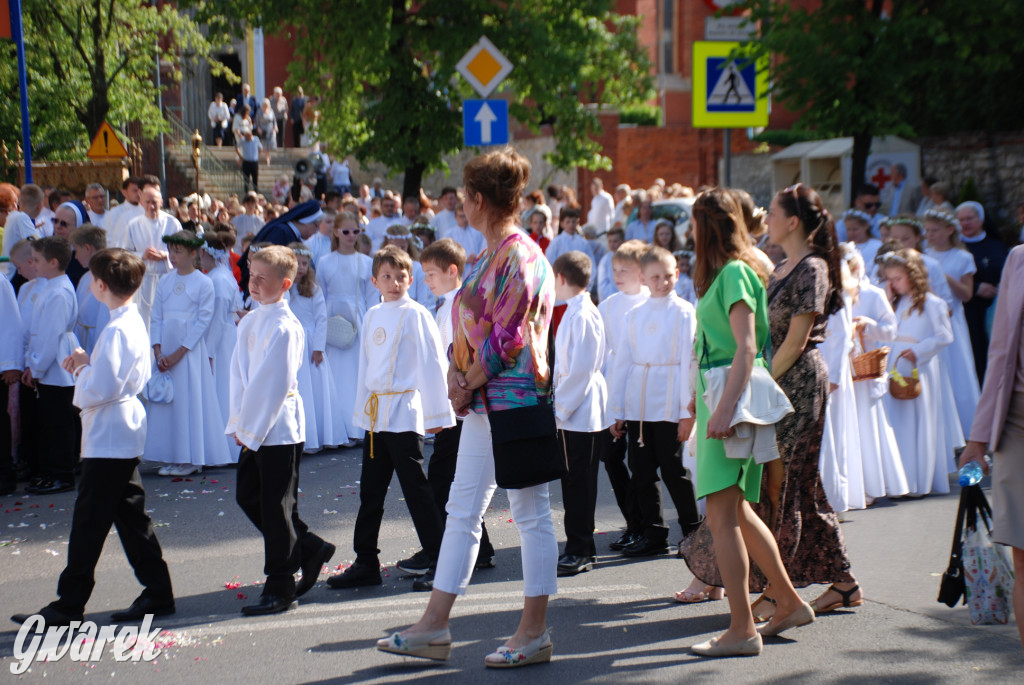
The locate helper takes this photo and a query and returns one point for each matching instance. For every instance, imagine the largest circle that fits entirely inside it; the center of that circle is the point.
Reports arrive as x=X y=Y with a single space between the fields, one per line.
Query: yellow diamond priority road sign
x=484 y=67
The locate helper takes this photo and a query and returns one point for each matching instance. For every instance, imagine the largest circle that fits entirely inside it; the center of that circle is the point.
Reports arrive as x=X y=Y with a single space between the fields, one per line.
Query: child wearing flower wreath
x=923 y=329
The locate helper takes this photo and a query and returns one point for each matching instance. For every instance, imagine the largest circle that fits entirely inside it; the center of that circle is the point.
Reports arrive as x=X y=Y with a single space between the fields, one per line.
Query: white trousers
x=471 y=492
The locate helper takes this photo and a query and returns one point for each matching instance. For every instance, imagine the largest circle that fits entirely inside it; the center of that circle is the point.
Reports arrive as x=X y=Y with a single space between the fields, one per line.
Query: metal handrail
x=227 y=179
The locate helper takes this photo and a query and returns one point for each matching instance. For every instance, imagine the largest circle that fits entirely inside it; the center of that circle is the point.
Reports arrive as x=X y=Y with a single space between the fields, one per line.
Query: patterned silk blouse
x=502 y=316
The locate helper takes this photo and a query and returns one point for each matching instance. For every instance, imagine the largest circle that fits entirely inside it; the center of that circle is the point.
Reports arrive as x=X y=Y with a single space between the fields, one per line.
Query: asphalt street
x=615 y=624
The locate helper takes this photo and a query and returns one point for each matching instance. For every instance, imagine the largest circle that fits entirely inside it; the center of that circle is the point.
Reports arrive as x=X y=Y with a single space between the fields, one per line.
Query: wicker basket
x=869 y=365
x=908 y=389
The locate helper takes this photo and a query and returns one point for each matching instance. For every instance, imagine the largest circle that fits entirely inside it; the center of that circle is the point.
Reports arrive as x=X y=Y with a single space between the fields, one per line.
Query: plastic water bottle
x=971 y=474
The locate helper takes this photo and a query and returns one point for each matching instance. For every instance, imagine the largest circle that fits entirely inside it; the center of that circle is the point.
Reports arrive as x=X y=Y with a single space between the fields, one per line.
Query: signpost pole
x=727 y=155
x=19 y=40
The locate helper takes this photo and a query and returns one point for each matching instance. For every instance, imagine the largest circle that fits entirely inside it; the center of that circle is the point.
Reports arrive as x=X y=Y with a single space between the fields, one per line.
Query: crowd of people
x=386 y=322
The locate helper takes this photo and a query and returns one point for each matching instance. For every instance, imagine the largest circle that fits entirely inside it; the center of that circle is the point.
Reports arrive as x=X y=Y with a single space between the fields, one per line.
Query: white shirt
x=97 y=219
x=28 y=295
x=638 y=230
x=319 y=244
x=53 y=316
x=45 y=221
x=605 y=278
x=93 y=315
x=443 y=222
x=265 y=405
x=602 y=211
x=613 y=313
x=116 y=223
x=868 y=251
x=12 y=341
x=340 y=174
x=685 y=289
x=400 y=362
x=472 y=240
x=245 y=224
x=445 y=327
x=107 y=389
x=143 y=232
x=19 y=227
x=377 y=228
x=581 y=393
x=563 y=242
x=650 y=373
x=218 y=114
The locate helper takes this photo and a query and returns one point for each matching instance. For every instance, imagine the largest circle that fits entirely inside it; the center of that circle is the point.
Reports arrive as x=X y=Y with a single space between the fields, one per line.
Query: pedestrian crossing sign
x=728 y=93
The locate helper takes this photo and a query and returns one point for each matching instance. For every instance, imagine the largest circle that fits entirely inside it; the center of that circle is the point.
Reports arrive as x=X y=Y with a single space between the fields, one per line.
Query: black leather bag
x=526 y=447
x=952 y=587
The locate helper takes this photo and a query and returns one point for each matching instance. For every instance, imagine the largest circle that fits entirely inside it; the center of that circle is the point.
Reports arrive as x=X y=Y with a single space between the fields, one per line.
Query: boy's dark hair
x=444 y=253
x=121 y=270
x=615 y=231
x=54 y=247
x=867 y=189
x=87 y=234
x=574 y=267
x=568 y=211
x=392 y=255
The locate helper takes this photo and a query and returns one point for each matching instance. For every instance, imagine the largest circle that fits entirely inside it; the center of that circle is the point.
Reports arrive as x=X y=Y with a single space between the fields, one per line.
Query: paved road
x=613 y=625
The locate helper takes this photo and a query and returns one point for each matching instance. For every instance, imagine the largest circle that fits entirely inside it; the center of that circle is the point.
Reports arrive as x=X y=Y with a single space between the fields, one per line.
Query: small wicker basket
x=907 y=387
x=869 y=365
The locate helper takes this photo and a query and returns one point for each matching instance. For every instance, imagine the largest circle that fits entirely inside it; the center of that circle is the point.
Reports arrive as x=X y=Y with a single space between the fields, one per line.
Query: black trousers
x=579 y=491
x=400 y=453
x=251 y=175
x=660 y=453
x=441 y=473
x=280 y=134
x=7 y=475
x=613 y=454
x=268 y=493
x=297 y=130
x=110 y=493
x=30 y=449
x=59 y=431
x=976 y=314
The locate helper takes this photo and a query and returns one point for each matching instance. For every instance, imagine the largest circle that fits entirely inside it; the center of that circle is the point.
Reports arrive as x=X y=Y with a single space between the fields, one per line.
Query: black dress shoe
x=51 y=487
x=643 y=546
x=142 y=606
x=424 y=583
x=417 y=564
x=622 y=542
x=270 y=604
x=571 y=564
x=356 y=575
x=311 y=568
x=51 y=617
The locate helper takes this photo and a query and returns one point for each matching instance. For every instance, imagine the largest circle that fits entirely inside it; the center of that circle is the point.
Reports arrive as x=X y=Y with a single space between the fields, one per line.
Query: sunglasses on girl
x=354 y=231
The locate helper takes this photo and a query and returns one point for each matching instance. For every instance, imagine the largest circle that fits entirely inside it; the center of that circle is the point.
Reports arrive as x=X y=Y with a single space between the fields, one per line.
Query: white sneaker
x=165 y=470
x=183 y=470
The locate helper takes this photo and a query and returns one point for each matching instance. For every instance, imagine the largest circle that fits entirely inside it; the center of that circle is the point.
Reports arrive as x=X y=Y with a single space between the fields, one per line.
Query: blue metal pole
x=17 y=34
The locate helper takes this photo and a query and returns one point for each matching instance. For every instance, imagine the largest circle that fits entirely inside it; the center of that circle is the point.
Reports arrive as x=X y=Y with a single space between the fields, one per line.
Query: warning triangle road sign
x=731 y=88
x=106 y=144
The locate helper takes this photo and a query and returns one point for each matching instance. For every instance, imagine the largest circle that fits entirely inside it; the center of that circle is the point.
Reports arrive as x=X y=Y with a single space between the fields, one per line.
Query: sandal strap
x=845 y=594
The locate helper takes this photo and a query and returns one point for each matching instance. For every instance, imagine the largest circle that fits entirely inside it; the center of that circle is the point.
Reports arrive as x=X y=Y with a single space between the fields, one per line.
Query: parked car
x=676 y=209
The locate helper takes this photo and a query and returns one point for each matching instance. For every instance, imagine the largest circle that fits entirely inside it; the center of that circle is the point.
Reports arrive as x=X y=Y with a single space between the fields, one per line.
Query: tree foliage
x=866 y=68
x=386 y=70
x=90 y=61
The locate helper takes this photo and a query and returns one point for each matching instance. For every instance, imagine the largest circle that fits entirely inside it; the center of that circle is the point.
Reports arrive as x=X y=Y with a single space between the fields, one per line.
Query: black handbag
x=525 y=445
x=952 y=587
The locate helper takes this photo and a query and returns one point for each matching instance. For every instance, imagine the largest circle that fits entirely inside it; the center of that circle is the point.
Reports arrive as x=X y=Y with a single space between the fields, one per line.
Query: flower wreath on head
x=193 y=243
x=944 y=217
x=857 y=214
x=903 y=221
x=301 y=252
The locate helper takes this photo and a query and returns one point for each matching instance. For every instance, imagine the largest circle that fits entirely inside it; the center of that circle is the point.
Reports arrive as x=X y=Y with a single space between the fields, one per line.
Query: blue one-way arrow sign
x=485 y=122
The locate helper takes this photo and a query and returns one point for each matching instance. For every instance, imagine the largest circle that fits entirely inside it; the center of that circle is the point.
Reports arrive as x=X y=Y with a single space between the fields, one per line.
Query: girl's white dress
x=842 y=474
x=221 y=339
x=325 y=424
x=924 y=446
x=189 y=429
x=883 y=472
x=958 y=357
x=349 y=292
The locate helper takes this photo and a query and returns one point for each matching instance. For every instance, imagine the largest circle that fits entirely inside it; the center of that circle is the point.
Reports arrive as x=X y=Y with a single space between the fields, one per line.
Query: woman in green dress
x=732 y=328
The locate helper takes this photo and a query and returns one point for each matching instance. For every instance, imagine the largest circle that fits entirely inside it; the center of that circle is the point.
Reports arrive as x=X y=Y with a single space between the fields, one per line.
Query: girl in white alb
x=325 y=426
x=923 y=329
x=943 y=231
x=344 y=277
x=187 y=432
x=227 y=302
x=875 y=324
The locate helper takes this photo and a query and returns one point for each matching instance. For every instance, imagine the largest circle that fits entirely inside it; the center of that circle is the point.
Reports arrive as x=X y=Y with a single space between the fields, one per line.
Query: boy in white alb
x=625 y=267
x=268 y=422
x=12 y=361
x=93 y=315
x=650 y=389
x=443 y=263
x=113 y=435
x=54 y=314
x=581 y=399
x=400 y=395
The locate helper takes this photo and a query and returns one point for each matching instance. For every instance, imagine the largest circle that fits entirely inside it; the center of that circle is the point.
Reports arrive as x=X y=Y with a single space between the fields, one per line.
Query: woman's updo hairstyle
x=500 y=176
x=804 y=203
